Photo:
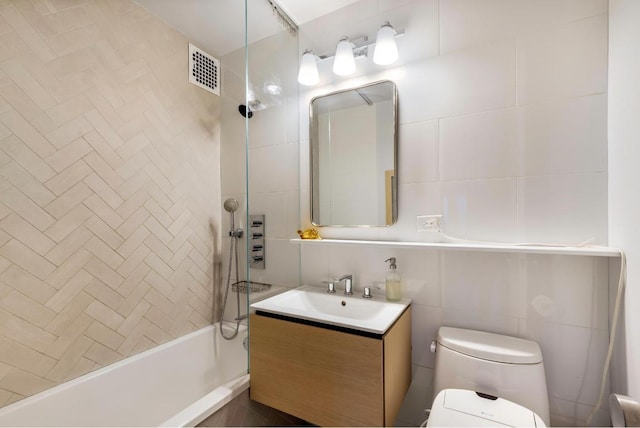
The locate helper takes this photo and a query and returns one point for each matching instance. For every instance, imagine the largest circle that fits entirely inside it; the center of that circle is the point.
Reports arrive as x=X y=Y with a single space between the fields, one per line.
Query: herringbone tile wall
x=108 y=180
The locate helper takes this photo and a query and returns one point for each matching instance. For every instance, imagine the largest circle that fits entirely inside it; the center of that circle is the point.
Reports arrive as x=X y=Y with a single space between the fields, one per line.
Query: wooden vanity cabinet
x=329 y=377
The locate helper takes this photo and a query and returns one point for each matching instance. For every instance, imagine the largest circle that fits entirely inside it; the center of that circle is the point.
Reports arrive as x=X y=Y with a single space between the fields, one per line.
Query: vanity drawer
x=329 y=377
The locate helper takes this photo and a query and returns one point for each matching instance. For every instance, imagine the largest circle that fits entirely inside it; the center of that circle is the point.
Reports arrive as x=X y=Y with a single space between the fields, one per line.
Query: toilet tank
x=494 y=364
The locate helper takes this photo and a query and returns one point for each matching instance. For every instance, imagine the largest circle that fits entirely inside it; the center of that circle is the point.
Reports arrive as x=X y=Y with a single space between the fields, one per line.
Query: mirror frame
x=313 y=160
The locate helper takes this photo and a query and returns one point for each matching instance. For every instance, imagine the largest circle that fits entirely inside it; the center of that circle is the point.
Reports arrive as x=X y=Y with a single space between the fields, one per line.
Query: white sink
x=373 y=315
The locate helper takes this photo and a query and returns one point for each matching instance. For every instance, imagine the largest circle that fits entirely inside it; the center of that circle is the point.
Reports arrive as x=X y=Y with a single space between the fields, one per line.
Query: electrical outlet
x=429 y=223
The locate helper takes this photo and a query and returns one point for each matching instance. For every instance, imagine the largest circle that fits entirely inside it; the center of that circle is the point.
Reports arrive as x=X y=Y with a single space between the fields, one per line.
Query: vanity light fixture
x=386 y=50
x=308 y=74
x=347 y=50
x=344 y=64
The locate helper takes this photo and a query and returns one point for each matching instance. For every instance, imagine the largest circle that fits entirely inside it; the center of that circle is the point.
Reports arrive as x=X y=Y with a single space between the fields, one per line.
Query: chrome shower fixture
x=231 y=205
x=247 y=110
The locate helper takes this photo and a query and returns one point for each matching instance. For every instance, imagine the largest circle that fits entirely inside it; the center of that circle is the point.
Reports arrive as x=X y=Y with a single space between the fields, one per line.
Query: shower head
x=231 y=205
x=245 y=111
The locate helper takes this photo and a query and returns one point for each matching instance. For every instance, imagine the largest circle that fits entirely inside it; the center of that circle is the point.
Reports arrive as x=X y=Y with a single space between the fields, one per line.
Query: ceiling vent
x=204 y=70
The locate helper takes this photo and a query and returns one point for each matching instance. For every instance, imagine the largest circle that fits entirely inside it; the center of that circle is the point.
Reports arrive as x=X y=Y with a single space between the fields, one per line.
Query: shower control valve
x=256 y=235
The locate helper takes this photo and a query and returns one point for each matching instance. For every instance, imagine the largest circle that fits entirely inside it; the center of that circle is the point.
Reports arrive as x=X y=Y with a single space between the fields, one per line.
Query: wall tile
x=418 y=152
x=293 y=214
x=567 y=136
x=464 y=22
x=271 y=205
x=420 y=271
x=22 y=154
x=232 y=172
x=473 y=80
x=480 y=209
x=27 y=234
x=274 y=168
x=568 y=209
x=480 y=282
x=425 y=322
x=314 y=264
x=479 y=146
x=569 y=378
x=555 y=283
x=483 y=321
x=305 y=178
x=281 y=264
x=569 y=60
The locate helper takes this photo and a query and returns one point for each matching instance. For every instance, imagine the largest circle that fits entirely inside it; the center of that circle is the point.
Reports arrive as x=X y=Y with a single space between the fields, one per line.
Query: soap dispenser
x=393 y=285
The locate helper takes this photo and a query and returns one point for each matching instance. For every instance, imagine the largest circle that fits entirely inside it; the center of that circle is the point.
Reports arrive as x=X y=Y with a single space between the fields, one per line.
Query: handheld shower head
x=231 y=205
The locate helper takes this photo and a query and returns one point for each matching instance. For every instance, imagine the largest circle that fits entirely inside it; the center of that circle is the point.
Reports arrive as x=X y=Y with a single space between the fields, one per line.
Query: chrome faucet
x=348 y=284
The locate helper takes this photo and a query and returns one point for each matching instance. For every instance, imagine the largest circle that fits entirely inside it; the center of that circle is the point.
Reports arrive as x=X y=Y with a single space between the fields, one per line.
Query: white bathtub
x=178 y=383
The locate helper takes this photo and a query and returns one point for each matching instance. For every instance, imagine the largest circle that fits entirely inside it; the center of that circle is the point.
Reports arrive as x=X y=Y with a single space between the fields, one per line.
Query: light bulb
x=386 y=50
x=344 y=64
x=308 y=74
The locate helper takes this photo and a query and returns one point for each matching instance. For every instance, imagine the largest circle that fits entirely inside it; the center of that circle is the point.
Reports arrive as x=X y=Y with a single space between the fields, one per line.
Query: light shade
x=386 y=51
x=344 y=64
x=308 y=74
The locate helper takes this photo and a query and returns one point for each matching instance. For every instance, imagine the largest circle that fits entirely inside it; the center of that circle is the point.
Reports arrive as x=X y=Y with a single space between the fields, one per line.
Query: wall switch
x=429 y=223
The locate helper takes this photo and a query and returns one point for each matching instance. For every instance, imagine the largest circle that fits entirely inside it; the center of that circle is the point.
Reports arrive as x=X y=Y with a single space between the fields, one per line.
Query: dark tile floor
x=244 y=412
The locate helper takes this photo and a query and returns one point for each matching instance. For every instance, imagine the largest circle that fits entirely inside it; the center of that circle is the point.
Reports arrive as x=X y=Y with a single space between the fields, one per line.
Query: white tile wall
x=567 y=60
x=418 y=153
x=503 y=131
x=563 y=137
x=480 y=209
x=563 y=208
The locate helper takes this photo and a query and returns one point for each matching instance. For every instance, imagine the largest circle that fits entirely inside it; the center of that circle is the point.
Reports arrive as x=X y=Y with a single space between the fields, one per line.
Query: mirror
x=353 y=138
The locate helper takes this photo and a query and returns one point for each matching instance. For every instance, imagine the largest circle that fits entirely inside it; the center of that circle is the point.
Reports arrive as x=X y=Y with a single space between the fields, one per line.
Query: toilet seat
x=461 y=407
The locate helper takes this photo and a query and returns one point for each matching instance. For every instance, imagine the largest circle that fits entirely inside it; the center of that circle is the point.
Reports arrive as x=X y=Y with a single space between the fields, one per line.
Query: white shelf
x=596 y=251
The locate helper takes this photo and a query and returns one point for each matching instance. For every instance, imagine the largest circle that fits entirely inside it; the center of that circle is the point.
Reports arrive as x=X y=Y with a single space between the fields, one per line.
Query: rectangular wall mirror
x=354 y=156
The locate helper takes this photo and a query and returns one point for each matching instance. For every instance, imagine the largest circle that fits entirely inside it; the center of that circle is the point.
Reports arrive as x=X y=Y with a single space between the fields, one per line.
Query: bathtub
x=178 y=383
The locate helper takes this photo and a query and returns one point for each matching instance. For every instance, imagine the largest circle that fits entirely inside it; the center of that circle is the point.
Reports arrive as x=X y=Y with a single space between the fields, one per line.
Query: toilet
x=484 y=379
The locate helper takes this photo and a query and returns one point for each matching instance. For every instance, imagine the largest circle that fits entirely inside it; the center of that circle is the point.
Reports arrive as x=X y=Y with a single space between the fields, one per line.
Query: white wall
x=624 y=157
x=503 y=118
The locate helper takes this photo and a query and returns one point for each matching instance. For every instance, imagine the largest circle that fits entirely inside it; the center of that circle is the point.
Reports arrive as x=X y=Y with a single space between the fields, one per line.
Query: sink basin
x=373 y=315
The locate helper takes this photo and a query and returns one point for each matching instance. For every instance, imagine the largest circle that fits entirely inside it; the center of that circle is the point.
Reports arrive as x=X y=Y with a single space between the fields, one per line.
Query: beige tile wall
x=108 y=180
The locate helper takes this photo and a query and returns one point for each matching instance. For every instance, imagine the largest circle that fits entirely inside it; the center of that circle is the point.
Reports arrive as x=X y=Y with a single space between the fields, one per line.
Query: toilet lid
x=490 y=346
x=461 y=407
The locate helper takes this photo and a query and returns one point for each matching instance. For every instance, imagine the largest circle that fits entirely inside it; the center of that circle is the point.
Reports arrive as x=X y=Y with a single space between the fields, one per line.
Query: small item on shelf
x=309 y=234
x=393 y=284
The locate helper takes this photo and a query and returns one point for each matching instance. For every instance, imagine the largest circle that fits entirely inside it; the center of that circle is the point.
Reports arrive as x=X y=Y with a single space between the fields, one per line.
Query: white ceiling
x=302 y=11
x=217 y=26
